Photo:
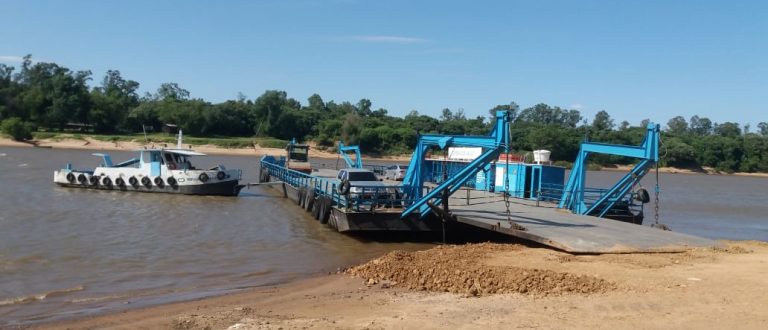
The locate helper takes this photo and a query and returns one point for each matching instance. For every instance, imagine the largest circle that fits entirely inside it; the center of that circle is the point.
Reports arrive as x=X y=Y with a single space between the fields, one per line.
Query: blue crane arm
x=573 y=194
x=343 y=150
x=413 y=182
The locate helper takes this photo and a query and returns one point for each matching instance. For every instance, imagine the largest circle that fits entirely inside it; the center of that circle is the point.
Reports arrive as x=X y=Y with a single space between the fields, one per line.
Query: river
x=68 y=252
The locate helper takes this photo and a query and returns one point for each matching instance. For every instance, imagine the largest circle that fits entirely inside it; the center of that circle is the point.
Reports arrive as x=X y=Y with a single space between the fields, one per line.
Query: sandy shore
x=92 y=144
x=720 y=288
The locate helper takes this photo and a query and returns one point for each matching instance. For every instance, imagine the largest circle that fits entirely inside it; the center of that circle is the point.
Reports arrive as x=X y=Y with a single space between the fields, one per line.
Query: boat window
x=362 y=176
x=169 y=158
x=155 y=156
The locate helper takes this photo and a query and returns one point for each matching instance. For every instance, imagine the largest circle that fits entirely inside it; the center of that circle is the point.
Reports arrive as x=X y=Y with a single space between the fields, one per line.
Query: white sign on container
x=464 y=153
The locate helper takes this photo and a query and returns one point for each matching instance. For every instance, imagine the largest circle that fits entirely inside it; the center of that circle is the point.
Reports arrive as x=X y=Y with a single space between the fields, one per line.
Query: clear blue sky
x=634 y=59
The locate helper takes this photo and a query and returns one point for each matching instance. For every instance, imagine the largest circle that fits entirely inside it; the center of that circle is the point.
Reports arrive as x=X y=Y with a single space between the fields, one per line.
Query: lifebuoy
x=171 y=182
x=159 y=182
x=146 y=181
x=70 y=177
x=120 y=182
x=94 y=180
x=221 y=175
x=203 y=177
x=81 y=178
x=106 y=181
x=133 y=181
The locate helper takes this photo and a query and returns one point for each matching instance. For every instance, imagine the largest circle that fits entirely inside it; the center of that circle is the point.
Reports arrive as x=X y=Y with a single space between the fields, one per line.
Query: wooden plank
x=563 y=230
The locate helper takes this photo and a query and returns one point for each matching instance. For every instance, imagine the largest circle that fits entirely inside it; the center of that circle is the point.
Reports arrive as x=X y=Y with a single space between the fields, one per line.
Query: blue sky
x=634 y=59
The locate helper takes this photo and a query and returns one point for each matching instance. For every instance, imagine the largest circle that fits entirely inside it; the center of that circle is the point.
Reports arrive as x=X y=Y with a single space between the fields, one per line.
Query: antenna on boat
x=178 y=143
x=144 y=128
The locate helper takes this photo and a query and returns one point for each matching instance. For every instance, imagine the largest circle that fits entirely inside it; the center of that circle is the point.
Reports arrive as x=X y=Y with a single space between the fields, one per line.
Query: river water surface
x=67 y=252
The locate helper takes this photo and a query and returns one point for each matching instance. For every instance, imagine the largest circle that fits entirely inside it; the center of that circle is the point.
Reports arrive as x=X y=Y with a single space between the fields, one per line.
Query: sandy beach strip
x=713 y=288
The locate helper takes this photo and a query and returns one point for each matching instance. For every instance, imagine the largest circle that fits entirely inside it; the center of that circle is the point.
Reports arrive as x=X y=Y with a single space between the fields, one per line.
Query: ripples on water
x=67 y=252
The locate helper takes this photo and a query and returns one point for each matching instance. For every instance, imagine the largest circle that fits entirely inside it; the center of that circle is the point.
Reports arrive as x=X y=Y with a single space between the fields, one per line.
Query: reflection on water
x=66 y=252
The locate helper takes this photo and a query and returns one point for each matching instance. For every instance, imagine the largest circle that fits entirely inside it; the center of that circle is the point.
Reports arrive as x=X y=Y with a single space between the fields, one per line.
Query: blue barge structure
x=528 y=201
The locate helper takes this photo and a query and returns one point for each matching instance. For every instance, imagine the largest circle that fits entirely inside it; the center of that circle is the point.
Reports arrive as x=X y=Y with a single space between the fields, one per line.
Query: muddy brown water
x=68 y=252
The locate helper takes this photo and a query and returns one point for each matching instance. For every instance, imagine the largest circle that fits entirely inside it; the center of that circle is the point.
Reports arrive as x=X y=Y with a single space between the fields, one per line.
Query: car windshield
x=362 y=176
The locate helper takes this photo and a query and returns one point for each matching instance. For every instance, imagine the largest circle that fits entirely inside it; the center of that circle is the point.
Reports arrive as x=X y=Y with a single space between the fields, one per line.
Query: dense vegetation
x=52 y=98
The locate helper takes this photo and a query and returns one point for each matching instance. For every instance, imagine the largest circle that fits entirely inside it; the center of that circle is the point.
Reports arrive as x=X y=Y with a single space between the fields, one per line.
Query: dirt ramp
x=460 y=269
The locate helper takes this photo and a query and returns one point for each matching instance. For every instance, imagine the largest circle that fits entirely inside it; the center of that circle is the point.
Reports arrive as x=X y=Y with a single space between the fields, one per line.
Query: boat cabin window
x=155 y=157
x=298 y=153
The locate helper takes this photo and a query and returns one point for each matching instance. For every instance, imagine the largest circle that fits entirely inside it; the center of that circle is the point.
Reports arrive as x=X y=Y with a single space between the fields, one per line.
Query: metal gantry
x=493 y=145
x=344 y=152
x=573 y=194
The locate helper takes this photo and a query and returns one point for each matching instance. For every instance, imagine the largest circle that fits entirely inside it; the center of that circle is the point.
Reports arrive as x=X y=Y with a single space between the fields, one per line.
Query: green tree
x=16 y=128
x=763 y=127
x=113 y=101
x=602 y=121
x=700 y=126
x=677 y=126
x=728 y=129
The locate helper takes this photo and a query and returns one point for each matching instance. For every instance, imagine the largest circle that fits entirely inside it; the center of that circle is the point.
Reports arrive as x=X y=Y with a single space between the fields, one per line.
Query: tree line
x=47 y=96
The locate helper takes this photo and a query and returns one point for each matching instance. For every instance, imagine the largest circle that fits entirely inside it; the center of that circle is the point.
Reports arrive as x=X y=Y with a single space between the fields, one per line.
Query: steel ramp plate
x=567 y=231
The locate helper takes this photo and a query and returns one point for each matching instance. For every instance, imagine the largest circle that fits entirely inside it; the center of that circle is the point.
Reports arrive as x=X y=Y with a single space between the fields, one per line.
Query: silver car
x=360 y=183
x=395 y=172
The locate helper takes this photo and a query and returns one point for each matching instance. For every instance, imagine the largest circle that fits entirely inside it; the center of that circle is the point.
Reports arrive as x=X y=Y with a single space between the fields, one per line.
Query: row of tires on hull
x=318 y=206
x=95 y=181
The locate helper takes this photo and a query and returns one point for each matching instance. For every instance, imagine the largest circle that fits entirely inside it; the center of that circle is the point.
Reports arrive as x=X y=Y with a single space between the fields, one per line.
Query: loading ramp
x=561 y=229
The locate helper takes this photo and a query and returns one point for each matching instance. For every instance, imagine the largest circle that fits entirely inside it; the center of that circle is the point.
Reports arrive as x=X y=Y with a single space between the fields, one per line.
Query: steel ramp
x=566 y=231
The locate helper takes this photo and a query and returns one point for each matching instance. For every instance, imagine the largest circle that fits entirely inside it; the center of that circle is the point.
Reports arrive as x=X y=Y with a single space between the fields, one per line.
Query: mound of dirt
x=460 y=269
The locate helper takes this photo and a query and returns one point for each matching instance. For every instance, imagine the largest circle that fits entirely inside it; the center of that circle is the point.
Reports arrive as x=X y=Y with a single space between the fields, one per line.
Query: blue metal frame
x=343 y=150
x=493 y=145
x=573 y=194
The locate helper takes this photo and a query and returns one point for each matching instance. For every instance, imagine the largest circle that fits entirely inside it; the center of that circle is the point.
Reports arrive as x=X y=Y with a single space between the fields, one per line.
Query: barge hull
x=381 y=220
x=226 y=188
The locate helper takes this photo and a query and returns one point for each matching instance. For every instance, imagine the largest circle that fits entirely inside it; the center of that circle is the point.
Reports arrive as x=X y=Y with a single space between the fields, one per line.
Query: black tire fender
x=133 y=181
x=300 y=197
x=203 y=177
x=221 y=175
x=146 y=181
x=309 y=200
x=325 y=212
x=71 y=177
x=642 y=196
x=159 y=182
x=344 y=187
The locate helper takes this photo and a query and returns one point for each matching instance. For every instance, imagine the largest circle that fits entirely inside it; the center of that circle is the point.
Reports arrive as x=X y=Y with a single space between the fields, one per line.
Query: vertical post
x=285 y=191
x=467 y=196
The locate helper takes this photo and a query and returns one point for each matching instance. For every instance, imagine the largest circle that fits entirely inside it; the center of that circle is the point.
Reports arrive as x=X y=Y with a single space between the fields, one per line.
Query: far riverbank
x=88 y=143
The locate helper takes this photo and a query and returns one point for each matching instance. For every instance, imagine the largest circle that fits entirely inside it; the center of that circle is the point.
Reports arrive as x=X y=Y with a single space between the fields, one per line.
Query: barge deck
x=560 y=229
